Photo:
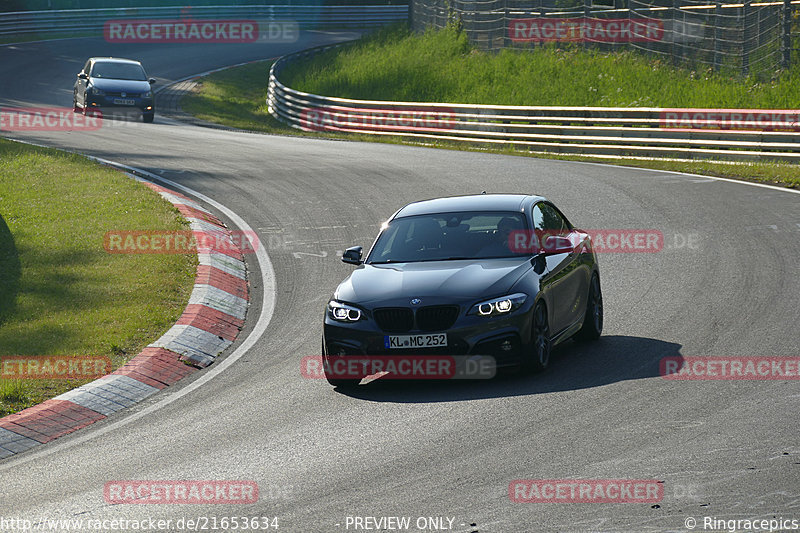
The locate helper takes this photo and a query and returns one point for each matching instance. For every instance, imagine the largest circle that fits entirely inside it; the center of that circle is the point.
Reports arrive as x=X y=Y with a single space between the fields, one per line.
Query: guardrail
x=91 y=20
x=724 y=134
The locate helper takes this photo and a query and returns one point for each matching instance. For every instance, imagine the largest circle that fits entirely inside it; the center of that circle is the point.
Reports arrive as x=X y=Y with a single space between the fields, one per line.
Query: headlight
x=498 y=306
x=342 y=312
x=148 y=94
x=97 y=92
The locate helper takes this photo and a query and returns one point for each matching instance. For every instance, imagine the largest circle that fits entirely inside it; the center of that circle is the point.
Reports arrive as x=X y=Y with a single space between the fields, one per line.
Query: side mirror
x=352 y=255
x=557 y=245
x=152 y=81
x=539 y=264
x=83 y=76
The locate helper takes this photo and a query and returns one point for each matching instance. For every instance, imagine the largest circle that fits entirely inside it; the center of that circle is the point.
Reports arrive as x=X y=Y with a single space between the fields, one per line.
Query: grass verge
x=440 y=66
x=234 y=97
x=61 y=293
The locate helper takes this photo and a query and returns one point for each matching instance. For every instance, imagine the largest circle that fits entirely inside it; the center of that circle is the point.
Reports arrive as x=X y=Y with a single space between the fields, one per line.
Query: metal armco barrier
x=722 y=134
x=92 y=20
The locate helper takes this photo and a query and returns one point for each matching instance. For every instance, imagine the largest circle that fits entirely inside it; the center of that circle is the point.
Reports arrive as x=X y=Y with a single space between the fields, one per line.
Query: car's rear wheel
x=593 y=319
x=538 y=357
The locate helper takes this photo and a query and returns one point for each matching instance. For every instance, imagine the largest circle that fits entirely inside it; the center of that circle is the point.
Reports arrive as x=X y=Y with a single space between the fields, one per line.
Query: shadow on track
x=574 y=366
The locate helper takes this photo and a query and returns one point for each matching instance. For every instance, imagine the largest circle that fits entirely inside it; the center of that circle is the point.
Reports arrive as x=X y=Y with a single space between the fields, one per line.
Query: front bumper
x=118 y=103
x=506 y=339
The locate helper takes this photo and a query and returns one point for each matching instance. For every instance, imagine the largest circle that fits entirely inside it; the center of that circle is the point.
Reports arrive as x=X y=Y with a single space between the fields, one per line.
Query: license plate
x=415 y=341
x=124 y=101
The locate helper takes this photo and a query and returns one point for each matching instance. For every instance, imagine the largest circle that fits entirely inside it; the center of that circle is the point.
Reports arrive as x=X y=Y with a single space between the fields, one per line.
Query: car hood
x=132 y=86
x=433 y=282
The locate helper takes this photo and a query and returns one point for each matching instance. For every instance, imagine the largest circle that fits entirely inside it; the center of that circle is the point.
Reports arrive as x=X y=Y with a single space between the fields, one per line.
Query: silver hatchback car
x=114 y=83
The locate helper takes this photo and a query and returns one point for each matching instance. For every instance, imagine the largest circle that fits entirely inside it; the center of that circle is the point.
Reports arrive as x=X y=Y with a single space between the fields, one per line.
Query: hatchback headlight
x=147 y=94
x=498 y=306
x=97 y=92
x=343 y=312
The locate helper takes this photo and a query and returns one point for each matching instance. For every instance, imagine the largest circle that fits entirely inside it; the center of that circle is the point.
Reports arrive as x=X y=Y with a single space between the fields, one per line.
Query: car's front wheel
x=148 y=117
x=593 y=319
x=538 y=357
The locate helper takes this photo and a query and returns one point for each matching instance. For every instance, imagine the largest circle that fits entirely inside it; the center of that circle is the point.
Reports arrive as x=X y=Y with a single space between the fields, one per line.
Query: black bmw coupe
x=499 y=275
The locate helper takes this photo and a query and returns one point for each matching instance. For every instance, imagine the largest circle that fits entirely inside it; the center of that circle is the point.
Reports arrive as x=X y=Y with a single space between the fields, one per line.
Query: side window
x=545 y=217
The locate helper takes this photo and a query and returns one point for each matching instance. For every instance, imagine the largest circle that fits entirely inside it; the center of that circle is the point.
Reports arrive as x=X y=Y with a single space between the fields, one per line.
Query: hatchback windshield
x=446 y=236
x=118 y=71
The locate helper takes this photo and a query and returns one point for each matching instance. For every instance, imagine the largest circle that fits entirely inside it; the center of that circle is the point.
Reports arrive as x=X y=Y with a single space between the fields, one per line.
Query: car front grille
x=394 y=319
x=431 y=318
x=437 y=317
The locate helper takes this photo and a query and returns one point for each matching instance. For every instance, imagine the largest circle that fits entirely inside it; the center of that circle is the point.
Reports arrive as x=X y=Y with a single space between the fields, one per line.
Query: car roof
x=114 y=60
x=473 y=202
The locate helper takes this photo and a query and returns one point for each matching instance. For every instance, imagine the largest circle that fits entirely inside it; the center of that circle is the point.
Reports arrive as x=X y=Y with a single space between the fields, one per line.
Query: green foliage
x=61 y=293
x=235 y=97
x=441 y=66
x=12 y=391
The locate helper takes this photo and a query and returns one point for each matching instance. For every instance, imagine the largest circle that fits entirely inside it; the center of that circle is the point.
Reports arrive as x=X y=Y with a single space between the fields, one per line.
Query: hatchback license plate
x=124 y=101
x=432 y=340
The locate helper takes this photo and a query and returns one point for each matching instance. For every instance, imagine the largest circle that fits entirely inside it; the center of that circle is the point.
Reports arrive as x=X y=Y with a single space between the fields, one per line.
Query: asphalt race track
x=725 y=284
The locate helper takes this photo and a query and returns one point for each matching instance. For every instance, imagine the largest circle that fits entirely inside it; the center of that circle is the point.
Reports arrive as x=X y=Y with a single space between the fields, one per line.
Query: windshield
x=447 y=236
x=118 y=71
